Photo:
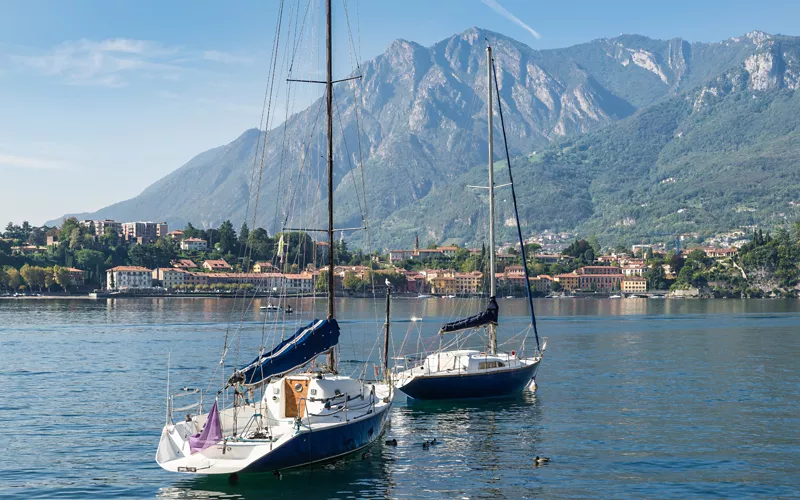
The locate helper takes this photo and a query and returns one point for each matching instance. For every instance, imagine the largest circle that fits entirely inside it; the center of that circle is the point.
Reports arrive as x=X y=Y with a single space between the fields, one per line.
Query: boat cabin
x=463 y=361
x=297 y=396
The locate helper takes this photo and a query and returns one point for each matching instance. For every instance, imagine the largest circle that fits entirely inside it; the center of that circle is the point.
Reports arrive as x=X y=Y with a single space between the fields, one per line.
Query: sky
x=99 y=99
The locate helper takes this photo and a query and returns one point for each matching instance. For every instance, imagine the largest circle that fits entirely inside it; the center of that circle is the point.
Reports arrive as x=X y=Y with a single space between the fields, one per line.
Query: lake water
x=636 y=398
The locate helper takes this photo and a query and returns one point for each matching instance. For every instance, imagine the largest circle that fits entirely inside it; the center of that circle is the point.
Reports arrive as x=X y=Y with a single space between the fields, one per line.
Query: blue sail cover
x=306 y=343
x=484 y=318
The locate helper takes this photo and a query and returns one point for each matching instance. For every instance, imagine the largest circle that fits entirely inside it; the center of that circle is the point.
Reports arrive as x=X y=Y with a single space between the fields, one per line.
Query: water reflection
x=636 y=398
x=357 y=476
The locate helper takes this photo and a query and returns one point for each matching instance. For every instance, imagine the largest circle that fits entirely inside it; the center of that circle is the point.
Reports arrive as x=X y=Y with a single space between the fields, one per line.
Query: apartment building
x=144 y=233
x=169 y=277
x=633 y=284
x=122 y=277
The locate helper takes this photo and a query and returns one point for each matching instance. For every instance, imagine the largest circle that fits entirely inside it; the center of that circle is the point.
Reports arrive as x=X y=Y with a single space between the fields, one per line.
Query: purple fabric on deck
x=211 y=433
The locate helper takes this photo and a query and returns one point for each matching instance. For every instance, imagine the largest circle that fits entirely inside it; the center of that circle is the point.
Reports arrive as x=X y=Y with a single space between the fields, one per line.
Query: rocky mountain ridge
x=422 y=121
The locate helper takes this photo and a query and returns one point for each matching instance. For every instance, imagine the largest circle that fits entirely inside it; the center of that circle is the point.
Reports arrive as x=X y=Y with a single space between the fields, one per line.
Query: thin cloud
x=116 y=62
x=492 y=4
x=225 y=57
x=27 y=162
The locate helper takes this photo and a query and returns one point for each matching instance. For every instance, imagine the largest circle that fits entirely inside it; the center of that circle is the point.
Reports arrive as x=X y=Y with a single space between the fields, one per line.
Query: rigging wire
x=516 y=210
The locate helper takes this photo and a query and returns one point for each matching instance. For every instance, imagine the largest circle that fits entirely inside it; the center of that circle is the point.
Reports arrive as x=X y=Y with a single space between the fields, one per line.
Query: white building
x=634 y=270
x=299 y=283
x=170 y=277
x=194 y=244
x=122 y=277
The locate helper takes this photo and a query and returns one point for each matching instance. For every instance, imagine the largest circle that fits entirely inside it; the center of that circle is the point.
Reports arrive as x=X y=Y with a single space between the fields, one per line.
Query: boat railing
x=185 y=392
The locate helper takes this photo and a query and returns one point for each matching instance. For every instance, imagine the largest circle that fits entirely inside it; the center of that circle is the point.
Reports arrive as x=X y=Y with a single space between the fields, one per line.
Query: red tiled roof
x=129 y=268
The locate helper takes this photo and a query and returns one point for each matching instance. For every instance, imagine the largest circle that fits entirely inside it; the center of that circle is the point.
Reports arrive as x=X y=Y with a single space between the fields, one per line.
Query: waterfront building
x=299 y=283
x=262 y=281
x=194 y=279
x=169 y=277
x=568 y=281
x=634 y=284
x=468 y=283
x=76 y=276
x=122 y=277
x=541 y=283
x=443 y=285
x=599 y=278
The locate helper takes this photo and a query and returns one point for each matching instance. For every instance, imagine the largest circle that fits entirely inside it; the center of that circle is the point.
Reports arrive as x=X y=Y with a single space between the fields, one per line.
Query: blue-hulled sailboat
x=304 y=415
x=468 y=374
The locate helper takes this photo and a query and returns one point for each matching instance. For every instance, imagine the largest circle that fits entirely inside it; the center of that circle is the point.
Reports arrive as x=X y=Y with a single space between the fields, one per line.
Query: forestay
x=308 y=342
x=486 y=317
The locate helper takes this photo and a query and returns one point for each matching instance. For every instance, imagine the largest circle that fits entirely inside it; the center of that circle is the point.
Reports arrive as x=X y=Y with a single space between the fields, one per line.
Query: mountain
x=423 y=133
x=723 y=155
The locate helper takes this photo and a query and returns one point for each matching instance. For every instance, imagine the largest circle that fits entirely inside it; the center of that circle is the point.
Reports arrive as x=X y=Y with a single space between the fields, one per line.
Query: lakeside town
x=104 y=257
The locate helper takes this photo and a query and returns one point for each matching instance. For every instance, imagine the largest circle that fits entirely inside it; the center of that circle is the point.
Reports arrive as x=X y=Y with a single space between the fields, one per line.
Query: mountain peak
x=478 y=35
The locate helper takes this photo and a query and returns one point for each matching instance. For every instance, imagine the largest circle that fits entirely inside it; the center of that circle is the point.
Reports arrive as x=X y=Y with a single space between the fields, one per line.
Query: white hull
x=331 y=425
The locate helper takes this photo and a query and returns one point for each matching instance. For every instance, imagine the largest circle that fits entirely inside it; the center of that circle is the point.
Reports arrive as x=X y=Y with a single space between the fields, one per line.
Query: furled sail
x=308 y=342
x=484 y=318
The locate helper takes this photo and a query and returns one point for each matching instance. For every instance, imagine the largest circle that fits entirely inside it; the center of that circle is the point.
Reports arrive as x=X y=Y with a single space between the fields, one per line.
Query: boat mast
x=329 y=98
x=386 y=335
x=492 y=284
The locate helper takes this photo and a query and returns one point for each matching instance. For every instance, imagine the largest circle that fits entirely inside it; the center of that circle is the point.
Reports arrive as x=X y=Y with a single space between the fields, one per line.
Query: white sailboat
x=304 y=416
x=466 y=373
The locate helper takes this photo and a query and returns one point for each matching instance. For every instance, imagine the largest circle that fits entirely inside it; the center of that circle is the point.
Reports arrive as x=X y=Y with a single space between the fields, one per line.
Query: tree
x=657 y=279
x=62 y=277
x=37 y=236
x=75 y=239
x=261 y=245
x=90 y=260
x=697 y=255
x=531 y=249
x=351 y=281
x=32 y=275
x=49 y=277
x=26 y=229
x=166 y=249
x=139 y=255
x=14 y=279
x=620 y=249
x=14 y=232
x=322 y=282
x=190 y=231
x=109 y=238
x=577 y=249
x=244 y=235
x=227 y=237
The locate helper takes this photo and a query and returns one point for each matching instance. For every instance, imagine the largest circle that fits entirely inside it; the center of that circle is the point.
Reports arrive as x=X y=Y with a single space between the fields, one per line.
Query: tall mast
x=492 y=284
x=386 y=334
x=329 y=85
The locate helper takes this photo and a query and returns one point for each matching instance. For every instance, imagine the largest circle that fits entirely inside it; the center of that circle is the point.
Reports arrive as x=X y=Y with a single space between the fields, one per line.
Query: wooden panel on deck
x=294 y=400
